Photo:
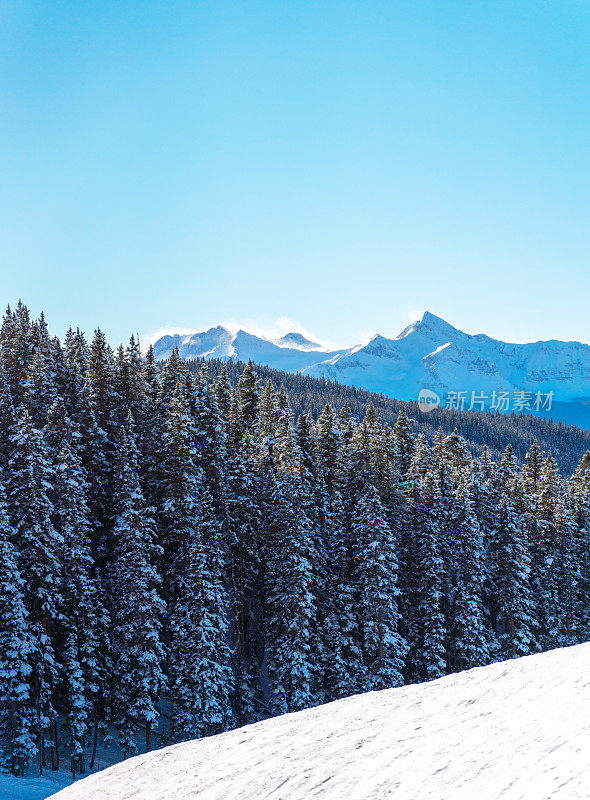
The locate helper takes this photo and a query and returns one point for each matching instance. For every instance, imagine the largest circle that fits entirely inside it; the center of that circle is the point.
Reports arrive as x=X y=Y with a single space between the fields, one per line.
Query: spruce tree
x=38 y=546
x=470 y=641
x=137 y=607
x=290 y=612
x=17 y=653
x=512 y=569
x=376 y=578
x=84 y=619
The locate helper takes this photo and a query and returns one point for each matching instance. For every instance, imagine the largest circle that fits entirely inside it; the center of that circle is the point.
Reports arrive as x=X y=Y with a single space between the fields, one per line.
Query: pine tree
x=545 y=556
x=429 y=633
x=101 y=384
x=249 y=395
x=38 y=546
x=243 y=525
x=328 y=443
x=173 y=374
x=40 y=390
x=17 y=347
x=470 y=641
x=340 y=658
x=404 y=442
x=7 y=419
x=199 y=655
x=17 y=651
x=136 y=605
x=376 y=577
x=290 y=611
x=84 y=619
x=512 y=568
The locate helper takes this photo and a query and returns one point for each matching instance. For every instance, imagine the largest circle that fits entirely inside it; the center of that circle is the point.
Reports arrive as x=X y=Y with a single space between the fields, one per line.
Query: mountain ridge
x=547 y=377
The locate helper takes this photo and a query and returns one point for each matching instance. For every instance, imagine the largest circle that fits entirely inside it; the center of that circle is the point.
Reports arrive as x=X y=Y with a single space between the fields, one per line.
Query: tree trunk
x=95 y=741
x=148 y=736
x=55 y=748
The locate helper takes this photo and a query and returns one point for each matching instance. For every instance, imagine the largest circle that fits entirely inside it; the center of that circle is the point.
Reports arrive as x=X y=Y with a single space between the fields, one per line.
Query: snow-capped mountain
x=463 y=370
x=517 y=730
x=293 y=352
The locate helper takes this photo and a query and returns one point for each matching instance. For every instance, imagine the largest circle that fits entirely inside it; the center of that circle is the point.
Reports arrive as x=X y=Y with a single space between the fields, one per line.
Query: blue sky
x=342 y=164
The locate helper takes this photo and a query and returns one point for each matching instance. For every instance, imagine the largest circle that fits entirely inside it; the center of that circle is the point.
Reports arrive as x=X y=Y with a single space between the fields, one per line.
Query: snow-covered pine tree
x=223 y=394
x=404 y=441
x=84 y=619
x=40 y=390
x=209 y=440
x=532 y=468
x=7 y=419
x=249 y=398
x=580 y=499
x=173 y=374
x=471 y=644
x=568 y=574
x=328 y=443
x=545 y=555
x=199 y=655
x=38 y=546
x=429 y=633
x=340 y=659
x=289 y=611
x=17 y=652
x=243 y=530
x=268 y=416
x=511 y=575
x=375 y=569
x=136 y=606
x=101 y=384
x=17 y=348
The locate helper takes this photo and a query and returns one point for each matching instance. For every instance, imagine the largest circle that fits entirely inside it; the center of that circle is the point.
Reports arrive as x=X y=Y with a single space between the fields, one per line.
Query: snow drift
x=517 y=729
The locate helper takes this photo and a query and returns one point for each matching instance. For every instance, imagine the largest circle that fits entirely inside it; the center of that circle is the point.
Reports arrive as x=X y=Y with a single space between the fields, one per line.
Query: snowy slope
x=31 y=788
x=429 y=353
x=513 y=730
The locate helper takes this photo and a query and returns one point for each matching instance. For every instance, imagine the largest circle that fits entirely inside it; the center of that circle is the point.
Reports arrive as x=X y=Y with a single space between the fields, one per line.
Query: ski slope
x=518 y=729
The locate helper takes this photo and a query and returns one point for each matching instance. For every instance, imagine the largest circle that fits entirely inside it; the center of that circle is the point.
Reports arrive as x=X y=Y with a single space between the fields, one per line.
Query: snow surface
x=30 y=788
x=430 y=353
x=517 y=729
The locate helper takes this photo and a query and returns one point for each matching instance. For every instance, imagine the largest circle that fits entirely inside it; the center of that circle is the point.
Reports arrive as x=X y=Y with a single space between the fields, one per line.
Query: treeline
x=171 y=541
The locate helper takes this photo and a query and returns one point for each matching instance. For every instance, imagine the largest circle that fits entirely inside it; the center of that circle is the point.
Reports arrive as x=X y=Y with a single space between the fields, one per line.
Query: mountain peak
x=296 y=339
x=220 y=330
x=428 y=323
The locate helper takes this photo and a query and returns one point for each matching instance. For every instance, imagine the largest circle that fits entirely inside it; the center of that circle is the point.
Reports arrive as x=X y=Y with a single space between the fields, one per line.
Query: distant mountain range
x=460 y=370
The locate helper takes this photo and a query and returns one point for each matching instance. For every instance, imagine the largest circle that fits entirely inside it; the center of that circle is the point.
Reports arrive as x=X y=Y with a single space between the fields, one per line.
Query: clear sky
x=343 y=164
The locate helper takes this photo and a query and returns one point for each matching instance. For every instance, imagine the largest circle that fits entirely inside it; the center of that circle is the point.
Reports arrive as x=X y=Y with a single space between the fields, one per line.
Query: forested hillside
x=172 y=542
x=496 y=431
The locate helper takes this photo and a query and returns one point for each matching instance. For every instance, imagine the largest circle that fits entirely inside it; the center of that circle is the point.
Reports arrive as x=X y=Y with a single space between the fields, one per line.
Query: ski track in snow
x=518 y=729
